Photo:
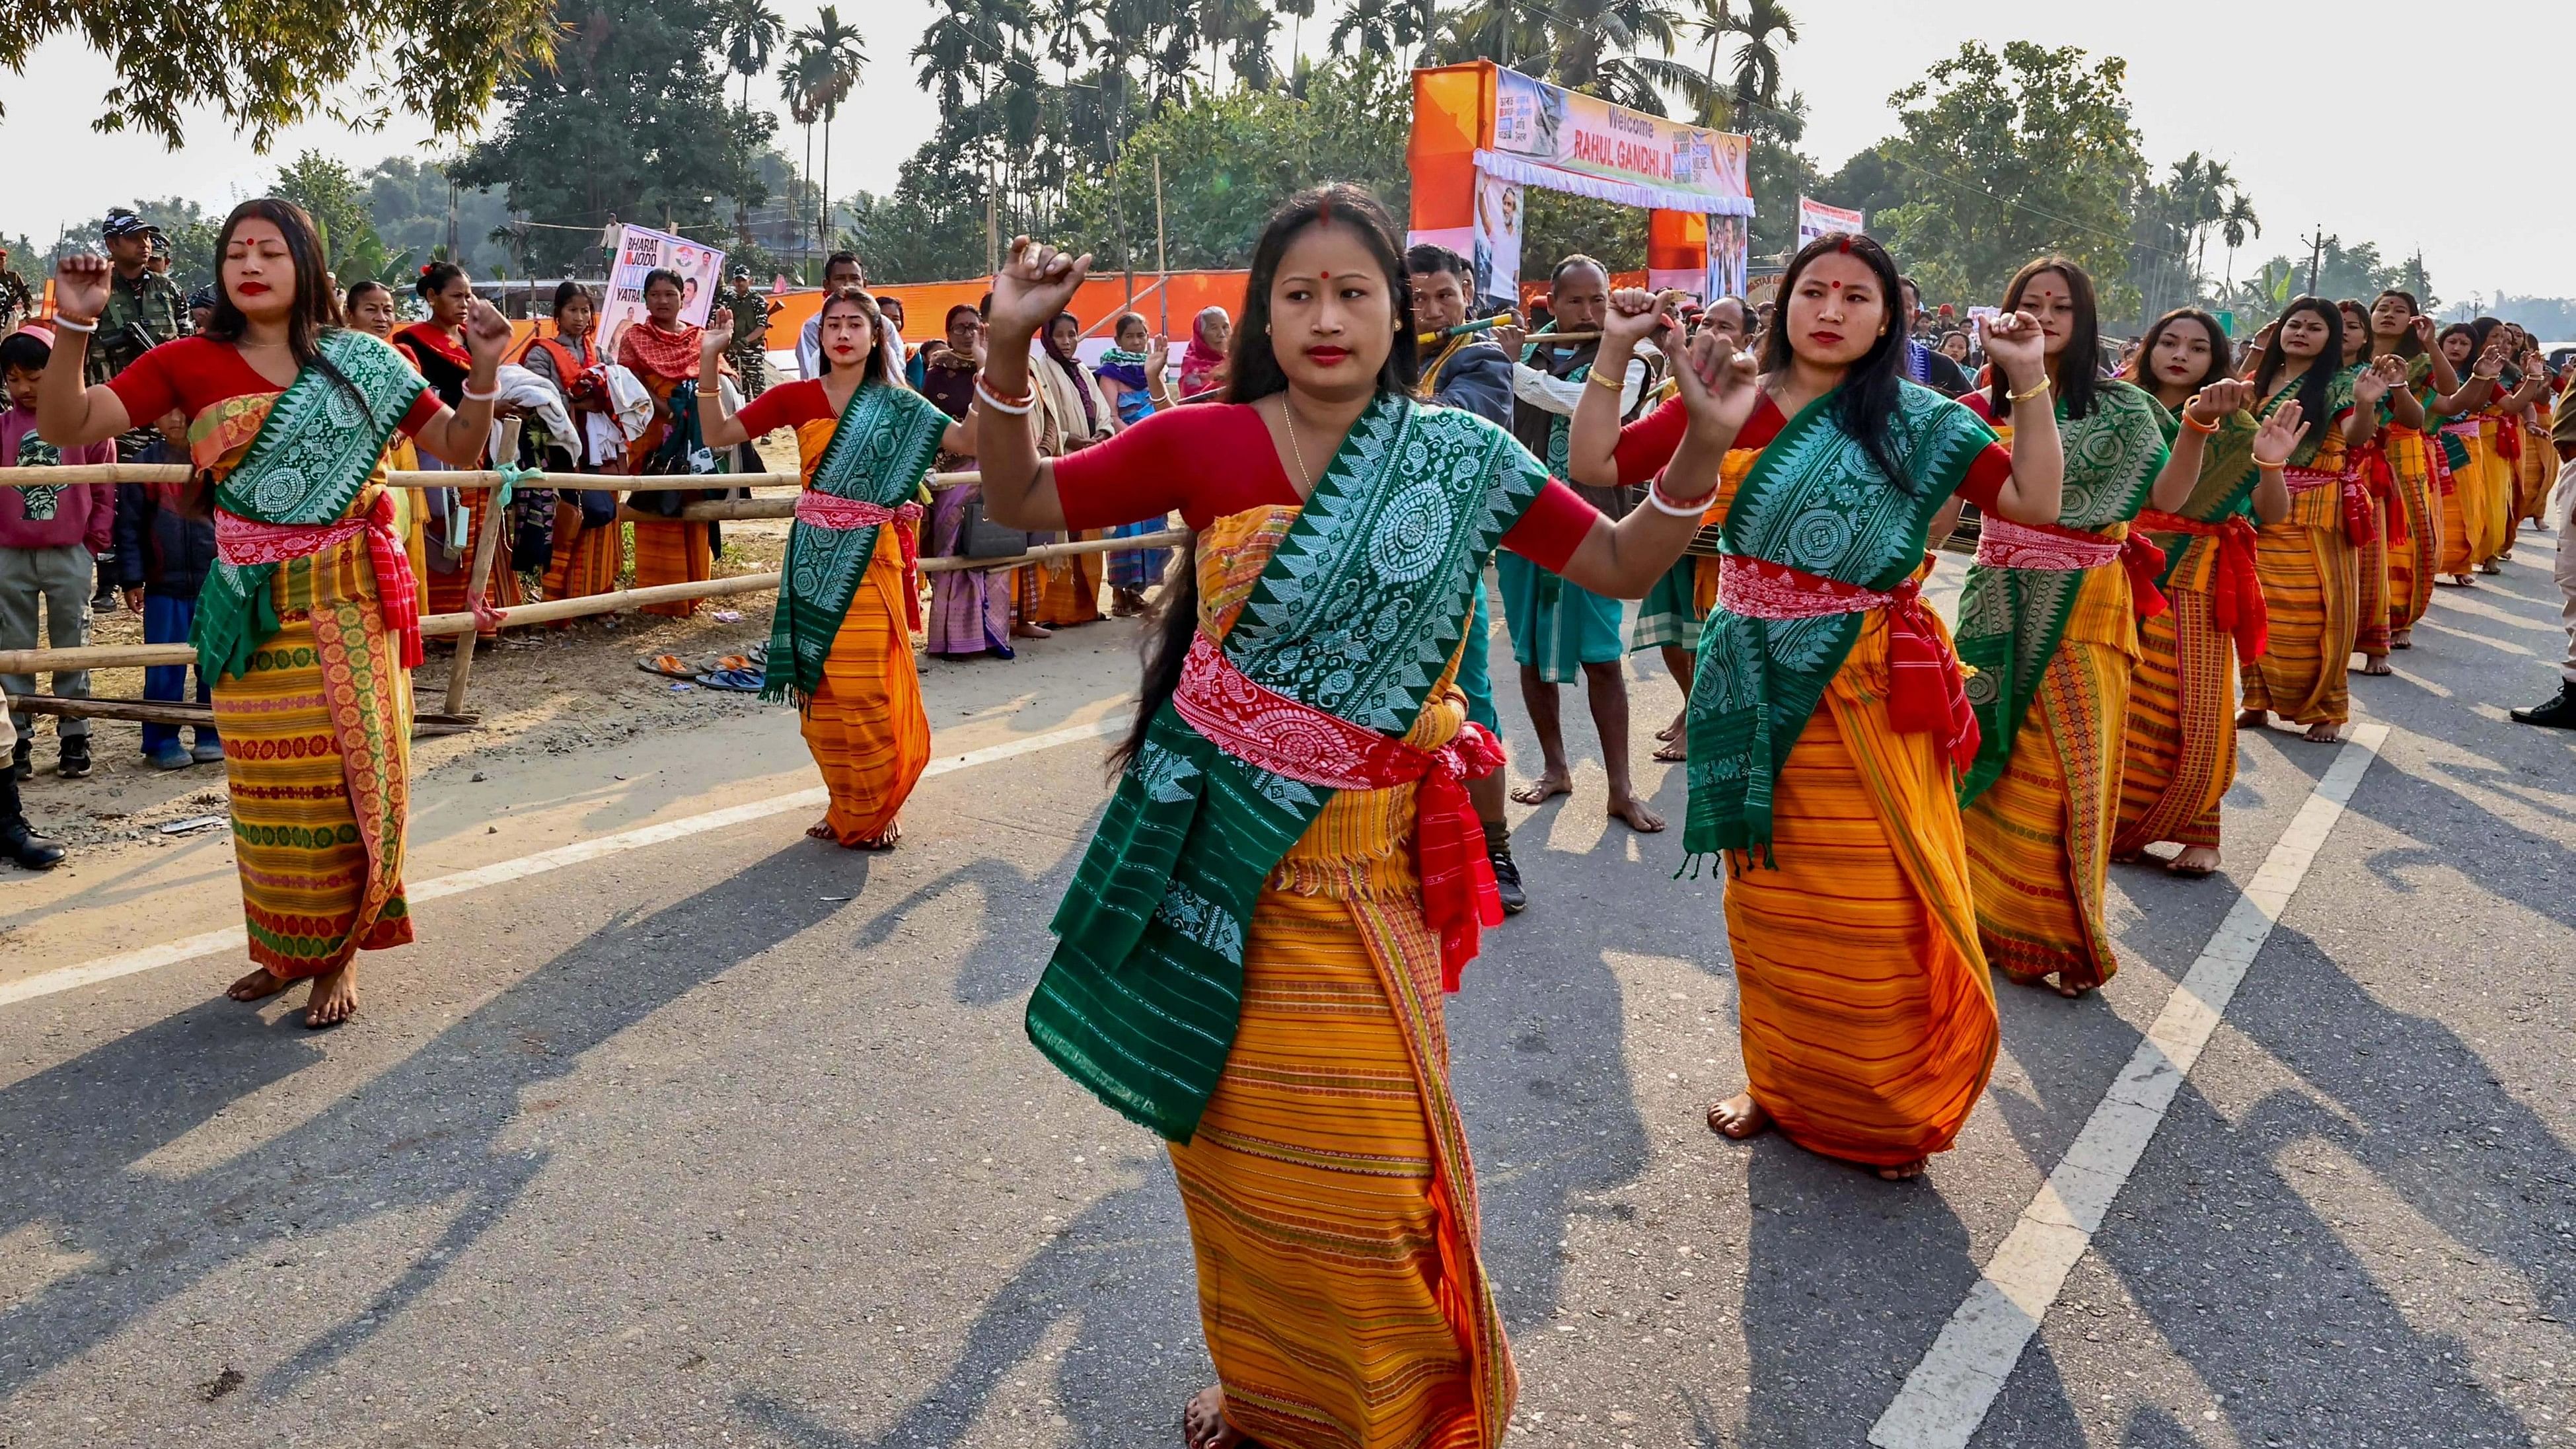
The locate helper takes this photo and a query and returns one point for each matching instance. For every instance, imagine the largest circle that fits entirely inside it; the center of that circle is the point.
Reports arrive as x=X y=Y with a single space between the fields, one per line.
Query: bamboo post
x=1162 y=257
x=487 y=547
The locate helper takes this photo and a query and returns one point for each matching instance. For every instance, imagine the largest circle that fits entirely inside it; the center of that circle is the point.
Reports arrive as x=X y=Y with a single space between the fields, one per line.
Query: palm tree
x=1767 y=28
x=1298 y=12
x=1367 y=25
x=2235 y=225
x=840 y=56
x=1715 y=21
x=748 y=30
x=800 y=83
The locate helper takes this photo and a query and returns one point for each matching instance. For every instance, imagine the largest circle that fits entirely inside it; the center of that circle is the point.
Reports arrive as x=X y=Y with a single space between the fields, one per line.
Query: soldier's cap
x=202 y=297
x=123 y=222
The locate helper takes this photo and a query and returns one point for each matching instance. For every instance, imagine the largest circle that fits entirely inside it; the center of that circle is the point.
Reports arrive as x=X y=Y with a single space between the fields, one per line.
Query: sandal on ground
x=739 y=681
x=668 y=664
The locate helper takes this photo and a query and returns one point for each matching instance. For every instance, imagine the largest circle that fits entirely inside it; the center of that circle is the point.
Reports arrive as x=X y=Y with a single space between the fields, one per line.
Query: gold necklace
x=1288 y=415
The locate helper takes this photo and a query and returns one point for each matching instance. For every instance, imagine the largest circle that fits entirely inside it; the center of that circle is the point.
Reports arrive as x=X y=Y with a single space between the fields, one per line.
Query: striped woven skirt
x=501 y=590
x=1069 y=588
x=2180 y=740
x=588 y=564
x=1868 y=1019
x=1331 y=1203
x=2539 y=475
x=970 y=611
x=317 y=749
x=2039 y=837
x=2309 y=585
x=672 y=553
x=865 y=725
x=2412 y=564
x=1138 y=569
x=1556 y=627
x=2373 y=591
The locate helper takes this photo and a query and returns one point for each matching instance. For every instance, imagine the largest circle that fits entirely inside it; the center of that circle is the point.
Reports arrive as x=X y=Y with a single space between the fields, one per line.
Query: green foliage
x=266 y=69
x=1557 y=224
x=632 y=119
x=2010 y=157
x=407 y=203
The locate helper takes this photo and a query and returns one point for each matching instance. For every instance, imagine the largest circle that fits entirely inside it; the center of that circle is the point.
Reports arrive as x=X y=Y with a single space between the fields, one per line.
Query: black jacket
x=158 y=548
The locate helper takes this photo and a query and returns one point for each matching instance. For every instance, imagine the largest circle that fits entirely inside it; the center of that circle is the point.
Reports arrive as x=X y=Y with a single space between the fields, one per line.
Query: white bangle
x=1655 y=496
x=68 y=325
x=472 y=396
x=993 y=400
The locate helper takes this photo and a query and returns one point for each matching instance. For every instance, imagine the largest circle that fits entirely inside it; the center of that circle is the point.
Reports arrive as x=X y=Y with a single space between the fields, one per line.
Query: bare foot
x=2324 y=734
x=2401 y=639
x=2463 y=581
x=2375 y=664
x=257 y=985
x=1640 y=817
x=1903 y=1171
x=1031 y=631
x=1739 y=1117
x=2071 y=993
x=1673 y=731
x=2254 y=719
x=882 y=840
x=334 y=998
x=2194 y=862
x=1675 y=752
x=1203 y=1424
x=822 y=830
x=1546 y=787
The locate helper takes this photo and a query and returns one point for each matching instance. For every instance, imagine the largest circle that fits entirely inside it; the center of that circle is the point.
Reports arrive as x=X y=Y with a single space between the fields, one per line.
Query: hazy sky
x=2488 y=218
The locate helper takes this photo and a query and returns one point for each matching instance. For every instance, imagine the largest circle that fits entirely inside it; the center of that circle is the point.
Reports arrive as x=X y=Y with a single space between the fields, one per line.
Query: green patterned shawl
x=1815 y=502
x=880 y=449
x=1356 y=614
x=317 y=447
x=2011 y=620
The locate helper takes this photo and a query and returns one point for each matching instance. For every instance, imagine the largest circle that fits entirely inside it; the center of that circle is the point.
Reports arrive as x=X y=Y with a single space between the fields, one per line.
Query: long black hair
x=2407 y=347
x=2079 y=361
x=872 y=368
x=2140 y=368
x=2313 y=386
x=1254 y=373
x=1866 y=404
x=433 y=279
x=313 y=311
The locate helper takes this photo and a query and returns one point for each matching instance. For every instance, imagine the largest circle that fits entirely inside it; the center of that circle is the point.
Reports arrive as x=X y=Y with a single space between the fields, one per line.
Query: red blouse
x=195 y=373
x=1216 y=459
x=1649 y=443
x=786 y=405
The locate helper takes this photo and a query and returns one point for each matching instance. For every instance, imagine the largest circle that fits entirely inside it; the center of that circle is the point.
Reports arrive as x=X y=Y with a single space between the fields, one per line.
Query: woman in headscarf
x=1076 y=416
x=589 y=546
x=1203 y=361
x=662 y=352
x=453 y=517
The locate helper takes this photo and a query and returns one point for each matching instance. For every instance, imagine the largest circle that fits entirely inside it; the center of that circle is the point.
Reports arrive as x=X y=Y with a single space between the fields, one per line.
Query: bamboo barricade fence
x=485 y=550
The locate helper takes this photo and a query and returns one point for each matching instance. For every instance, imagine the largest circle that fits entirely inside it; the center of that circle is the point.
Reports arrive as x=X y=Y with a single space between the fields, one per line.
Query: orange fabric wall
x=1102 y=298
x=1453 y=114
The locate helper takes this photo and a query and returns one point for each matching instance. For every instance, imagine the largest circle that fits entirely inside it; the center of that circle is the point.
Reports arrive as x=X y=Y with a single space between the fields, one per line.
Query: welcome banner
x=640 y=251
x=1816 y=219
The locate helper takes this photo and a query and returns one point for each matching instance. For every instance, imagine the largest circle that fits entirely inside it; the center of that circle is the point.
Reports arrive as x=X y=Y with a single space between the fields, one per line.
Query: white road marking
x=148 y=958
x=1946 y=1398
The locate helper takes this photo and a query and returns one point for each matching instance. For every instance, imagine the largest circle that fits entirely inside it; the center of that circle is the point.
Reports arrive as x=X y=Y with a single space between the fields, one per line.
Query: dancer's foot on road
x=334 y=999
x=258 y=985
x=1640 y=816
x=1545 y=788
x=1739 y=1117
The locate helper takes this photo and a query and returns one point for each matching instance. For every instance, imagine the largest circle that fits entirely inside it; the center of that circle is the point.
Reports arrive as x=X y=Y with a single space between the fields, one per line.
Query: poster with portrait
x=1816 y=219
x=1729 y=252
x=640 y=252
x=1497 y=254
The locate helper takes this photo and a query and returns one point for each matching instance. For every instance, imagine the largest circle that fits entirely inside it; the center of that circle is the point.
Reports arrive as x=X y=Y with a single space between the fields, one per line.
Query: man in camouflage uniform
x=17 y=299
x=750 y=349
x=144 y=309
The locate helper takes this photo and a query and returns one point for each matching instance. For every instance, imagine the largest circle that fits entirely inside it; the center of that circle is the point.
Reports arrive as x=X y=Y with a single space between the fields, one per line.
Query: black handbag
x=979 y=538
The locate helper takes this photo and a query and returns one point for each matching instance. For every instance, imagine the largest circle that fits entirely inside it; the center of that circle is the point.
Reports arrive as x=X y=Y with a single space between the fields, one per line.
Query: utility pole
x=992 y=223
x=2317 y=245
x=1162 y=259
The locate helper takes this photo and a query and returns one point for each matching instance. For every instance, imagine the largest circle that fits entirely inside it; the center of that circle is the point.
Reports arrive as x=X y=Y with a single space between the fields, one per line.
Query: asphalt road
x=734 y=1138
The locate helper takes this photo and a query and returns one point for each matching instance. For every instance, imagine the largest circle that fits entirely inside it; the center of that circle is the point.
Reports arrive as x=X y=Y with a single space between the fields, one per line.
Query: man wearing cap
x=144 y=309
x=17 y=299
x=750 y=350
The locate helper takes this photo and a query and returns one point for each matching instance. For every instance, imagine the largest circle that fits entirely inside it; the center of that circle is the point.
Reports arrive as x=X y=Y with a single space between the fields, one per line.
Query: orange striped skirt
x=2039 y=837
x=2412 y=564
x=672 y=553
x=865 y=725
x=1868 y=1019
x=1069 y=588
x=590 y=563
x=2180 y=736
x=317 y=750
x=446 y=592
x=2372 y=588
x=2310 y=588
x=2539 y=475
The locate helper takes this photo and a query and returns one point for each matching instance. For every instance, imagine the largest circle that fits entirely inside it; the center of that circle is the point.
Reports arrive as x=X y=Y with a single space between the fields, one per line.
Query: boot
x=17 y=842
x=2559 y=713
x=74 y=760
x=22 y=760
x=1507 y=873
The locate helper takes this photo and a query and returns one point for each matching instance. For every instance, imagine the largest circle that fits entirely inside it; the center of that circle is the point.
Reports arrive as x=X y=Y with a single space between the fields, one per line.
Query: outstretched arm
x=1031 y=289
x=458 y=435
x=718 y=425
x=1592 y=442
x=1623 y=560
x=2182 y=465
x=69 y=412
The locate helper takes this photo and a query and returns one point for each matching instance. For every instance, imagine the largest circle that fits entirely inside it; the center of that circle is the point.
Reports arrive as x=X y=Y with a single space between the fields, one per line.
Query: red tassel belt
x=2360 y=520
x=1266 y=729
x=2236 y=590
x=844 y=515
x=2004 y=544
x=1926 y=693
x=240 y=540
x=2381 y=482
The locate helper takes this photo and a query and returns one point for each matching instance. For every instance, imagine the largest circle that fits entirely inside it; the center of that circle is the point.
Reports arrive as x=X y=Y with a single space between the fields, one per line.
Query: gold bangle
x=2036 y=389
x=1615 y=384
